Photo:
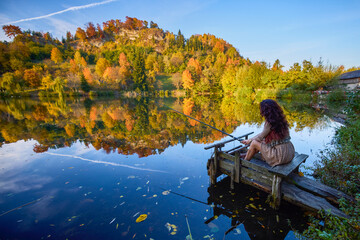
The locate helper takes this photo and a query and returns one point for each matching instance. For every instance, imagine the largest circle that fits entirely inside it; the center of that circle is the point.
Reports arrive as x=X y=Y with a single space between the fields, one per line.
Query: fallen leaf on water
x=138 y=188
x=154 y=195
x=172 y=228
x=301 y=174
x=117 y=226
x=81 y=225
x=253 y=206
x=141 y=218
x=112 y=221
x=165 y=192
x=237 y=231
x=136 y=214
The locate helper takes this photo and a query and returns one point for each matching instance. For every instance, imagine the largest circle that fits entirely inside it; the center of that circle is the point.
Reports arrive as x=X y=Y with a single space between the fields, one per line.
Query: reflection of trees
x=299 y=115
x=128 y=126
x=252 y=211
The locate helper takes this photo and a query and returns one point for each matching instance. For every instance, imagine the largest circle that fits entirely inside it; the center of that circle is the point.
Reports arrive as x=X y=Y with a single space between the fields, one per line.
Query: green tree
x=139 y=75
x=9 y=83
x=180 y=40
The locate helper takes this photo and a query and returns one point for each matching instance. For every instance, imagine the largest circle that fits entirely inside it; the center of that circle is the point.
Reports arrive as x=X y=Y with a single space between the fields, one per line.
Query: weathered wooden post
x=213 y=167
x=276 y=192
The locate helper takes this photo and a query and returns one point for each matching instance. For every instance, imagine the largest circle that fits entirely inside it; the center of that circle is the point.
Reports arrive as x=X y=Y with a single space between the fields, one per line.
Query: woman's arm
x=260 y=136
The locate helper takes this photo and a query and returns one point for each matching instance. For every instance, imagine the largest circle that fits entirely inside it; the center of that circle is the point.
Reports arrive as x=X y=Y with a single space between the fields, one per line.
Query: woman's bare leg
x=255 y=147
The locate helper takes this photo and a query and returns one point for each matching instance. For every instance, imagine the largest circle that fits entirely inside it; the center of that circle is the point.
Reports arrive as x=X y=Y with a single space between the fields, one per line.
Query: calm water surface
x=89 y=169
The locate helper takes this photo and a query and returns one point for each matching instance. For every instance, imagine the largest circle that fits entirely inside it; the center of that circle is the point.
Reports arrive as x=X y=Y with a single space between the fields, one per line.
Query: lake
x=135 y=169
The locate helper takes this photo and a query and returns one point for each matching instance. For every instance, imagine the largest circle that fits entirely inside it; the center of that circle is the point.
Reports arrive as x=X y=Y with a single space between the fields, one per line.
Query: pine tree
x=139 y=75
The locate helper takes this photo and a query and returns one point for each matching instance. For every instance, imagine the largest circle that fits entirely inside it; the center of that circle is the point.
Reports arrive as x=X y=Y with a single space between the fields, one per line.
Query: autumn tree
x=194 y=65
x=11 y=30
x=56 y=55
x=176 y=60
x=101 y=66
x=33 y=76
x=69 y=36
x=10 y=83
x=80 y=34
x=87 y=75
x=100 y=31
x=153 y=25
x=277 y=66
x=90 y=30
x=177 y=80
x=123 y=60
x=187 y=80
x=47 y=81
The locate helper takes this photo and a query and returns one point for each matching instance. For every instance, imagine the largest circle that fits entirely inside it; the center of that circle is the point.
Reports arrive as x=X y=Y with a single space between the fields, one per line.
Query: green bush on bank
x=339 y=167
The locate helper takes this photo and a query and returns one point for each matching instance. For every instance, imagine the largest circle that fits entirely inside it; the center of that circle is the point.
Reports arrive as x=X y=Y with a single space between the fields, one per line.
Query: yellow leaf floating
x=301 y=174
x=252 y=205
x=141 y=218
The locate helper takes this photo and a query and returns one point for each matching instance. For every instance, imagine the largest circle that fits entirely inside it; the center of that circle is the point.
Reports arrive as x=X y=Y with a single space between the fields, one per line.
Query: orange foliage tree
x=11 y=30
x=80 y=34
x=33 y=76
x=194 y=63
x=188 y=82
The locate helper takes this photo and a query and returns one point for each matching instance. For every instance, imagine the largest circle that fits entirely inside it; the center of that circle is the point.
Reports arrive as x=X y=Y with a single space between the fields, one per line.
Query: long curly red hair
x=274 y=115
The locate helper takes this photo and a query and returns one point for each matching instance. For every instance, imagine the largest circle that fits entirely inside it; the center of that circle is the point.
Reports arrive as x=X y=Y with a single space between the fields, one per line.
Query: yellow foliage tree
x=101 y=66
x=56 y=55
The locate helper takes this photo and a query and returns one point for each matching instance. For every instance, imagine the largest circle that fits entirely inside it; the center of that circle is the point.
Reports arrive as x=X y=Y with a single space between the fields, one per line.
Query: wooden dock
x=282 y=181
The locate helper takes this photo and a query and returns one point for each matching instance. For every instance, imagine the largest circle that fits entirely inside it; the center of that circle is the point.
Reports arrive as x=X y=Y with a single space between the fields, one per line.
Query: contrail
x=62 y=11
x=108 y=163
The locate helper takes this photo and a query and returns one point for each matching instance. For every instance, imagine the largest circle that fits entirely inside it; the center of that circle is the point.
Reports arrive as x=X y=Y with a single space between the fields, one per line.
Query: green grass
x=166 y=82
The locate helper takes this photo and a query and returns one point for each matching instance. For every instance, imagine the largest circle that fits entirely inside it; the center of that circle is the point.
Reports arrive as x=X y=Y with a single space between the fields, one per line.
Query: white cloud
x=60 y=12
x=61 y=27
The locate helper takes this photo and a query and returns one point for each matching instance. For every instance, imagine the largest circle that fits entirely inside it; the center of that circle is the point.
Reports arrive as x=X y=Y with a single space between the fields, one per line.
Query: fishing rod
x=235 y=138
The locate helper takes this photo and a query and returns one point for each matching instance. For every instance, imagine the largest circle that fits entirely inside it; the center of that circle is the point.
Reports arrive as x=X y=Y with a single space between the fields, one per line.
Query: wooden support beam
x=237 y=167
x=276 y=192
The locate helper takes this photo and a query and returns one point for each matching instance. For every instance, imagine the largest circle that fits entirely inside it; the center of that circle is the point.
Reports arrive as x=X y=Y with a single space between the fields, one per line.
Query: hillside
x=137 y=55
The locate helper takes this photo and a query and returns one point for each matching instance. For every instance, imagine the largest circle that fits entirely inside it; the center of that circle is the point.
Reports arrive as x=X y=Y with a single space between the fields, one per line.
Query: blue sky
x=290 y=31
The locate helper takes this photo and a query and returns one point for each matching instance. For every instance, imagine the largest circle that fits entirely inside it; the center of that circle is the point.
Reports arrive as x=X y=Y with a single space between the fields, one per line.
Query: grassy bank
x=339 y=167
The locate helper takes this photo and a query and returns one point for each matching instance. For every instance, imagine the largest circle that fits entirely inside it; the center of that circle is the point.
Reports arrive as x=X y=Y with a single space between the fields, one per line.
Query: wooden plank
x=307 y=200
x=256 y=184
x=227 y=156
x=226 y=165
x=248 y=173
x=286 y=169
x=256 y=166
x=317 y=188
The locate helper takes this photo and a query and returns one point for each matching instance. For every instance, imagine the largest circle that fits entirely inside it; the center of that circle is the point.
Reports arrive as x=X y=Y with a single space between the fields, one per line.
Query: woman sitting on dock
x=274 y=141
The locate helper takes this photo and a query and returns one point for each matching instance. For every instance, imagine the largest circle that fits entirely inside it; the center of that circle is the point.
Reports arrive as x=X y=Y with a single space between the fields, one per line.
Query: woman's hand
x=246 y=142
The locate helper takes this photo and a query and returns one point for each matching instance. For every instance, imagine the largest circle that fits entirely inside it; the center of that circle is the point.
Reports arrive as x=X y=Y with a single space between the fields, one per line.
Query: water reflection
x=247 y=209
x=129 y=126
x=80 y=164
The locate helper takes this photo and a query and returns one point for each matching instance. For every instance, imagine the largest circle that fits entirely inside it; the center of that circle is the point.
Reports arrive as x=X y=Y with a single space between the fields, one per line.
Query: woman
x=274 y=141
